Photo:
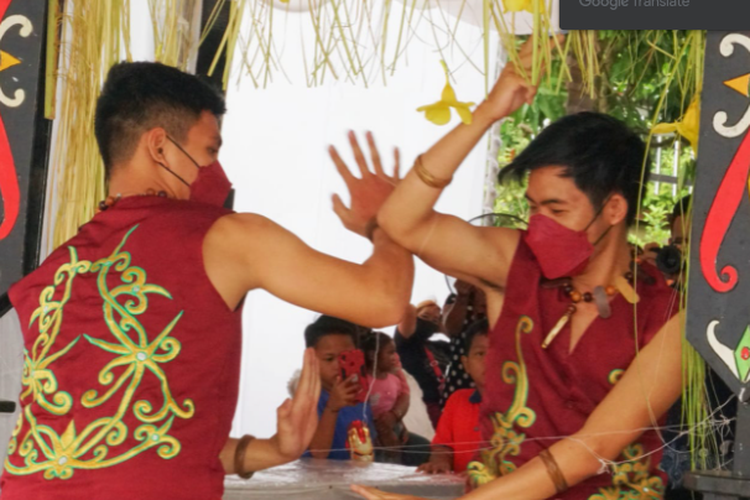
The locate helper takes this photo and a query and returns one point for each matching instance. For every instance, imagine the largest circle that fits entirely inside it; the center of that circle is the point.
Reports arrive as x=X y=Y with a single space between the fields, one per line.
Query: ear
x=464 y=361
x=156 y=139
x=616 y=210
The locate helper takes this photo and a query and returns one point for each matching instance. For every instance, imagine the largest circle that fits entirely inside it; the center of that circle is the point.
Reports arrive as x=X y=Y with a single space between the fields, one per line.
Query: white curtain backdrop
x=276 y=154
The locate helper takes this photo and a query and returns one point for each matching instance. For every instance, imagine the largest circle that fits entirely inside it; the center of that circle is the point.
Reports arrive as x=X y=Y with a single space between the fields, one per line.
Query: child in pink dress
x=389 y=392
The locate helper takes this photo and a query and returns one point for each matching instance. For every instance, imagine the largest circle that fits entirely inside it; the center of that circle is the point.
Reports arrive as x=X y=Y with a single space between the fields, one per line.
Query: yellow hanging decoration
x=439 y=112
x=687 y=126
x=518 y=5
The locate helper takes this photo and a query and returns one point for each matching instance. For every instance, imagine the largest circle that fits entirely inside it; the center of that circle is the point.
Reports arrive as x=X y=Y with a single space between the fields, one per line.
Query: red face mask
x=211 y=186
x=561 y=252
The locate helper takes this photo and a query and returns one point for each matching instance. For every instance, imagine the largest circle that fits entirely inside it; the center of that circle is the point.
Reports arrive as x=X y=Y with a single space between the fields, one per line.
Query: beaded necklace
x=600 y=296
x=111 y=201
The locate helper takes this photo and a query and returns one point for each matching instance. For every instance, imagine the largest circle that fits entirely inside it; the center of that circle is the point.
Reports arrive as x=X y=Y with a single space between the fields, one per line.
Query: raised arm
x=479 y=255
x=243 y=252
x=259 y=253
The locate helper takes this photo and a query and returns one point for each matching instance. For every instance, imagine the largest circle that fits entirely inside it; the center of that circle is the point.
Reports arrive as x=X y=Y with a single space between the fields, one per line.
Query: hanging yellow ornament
x=518 y=5
x=439 y=112
x=687 y=126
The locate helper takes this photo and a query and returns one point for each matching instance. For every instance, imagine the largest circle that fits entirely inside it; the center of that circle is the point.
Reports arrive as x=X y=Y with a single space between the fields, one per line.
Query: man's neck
x=130 y=181
x=611 y=261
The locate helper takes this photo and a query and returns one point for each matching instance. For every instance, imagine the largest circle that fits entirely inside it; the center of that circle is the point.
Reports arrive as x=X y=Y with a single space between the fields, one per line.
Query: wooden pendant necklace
x=600 y=296
x=112 y=200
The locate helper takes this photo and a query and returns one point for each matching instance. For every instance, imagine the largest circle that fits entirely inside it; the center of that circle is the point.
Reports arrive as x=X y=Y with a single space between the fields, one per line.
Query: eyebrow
x=551 y=201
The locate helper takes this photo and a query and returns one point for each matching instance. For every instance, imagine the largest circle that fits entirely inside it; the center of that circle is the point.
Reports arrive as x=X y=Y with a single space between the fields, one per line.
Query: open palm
x=369 y=192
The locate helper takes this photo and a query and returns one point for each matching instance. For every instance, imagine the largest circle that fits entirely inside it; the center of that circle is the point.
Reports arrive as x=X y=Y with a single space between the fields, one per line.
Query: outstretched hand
x=367 y=193
x=298 y=417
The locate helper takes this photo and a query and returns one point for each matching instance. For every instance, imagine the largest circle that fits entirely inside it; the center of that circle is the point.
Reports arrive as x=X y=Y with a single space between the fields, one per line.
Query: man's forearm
x=391 y=275
x=260 y=454
x=412 y=201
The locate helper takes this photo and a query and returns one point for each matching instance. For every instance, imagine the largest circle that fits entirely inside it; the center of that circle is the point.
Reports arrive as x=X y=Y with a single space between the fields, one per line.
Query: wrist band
x=554 y=471
x=426 y=177
x=370 y=228
x=239 y=457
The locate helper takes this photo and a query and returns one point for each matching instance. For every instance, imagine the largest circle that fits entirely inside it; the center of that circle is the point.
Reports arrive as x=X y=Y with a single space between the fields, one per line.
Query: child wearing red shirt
x=458 y=438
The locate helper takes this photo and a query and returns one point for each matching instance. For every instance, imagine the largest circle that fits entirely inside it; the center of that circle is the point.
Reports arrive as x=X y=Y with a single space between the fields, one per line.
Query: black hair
x=328 y=325
x=138 y=96
x=600 y=153
x=479 y=327
x=372 y=342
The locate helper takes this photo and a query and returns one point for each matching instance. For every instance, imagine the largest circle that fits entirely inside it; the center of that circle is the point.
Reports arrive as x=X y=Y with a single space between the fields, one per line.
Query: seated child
x=389 y=393
x=338 y=407
x=457 y=438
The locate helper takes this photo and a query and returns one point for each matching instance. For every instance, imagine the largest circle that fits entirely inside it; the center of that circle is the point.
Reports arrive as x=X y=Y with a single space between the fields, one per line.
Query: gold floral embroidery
x=58 y=456
x=631 y=479
x=506 y=441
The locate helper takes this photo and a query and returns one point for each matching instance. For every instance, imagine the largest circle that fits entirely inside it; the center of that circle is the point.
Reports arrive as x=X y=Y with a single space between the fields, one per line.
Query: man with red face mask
x=132 y=328
x=585 y=345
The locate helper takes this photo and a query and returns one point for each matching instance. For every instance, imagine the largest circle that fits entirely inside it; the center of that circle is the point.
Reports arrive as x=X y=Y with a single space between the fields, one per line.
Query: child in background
x=457 y=438
x=338 y=407
x=389 y=394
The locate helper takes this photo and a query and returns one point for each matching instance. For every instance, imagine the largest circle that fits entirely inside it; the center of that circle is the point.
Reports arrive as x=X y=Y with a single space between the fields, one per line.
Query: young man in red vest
x=585 y=348
x=132 y=328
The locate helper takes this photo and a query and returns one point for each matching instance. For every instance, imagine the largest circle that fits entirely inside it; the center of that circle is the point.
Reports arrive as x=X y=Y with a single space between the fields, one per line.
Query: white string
x=607 y=465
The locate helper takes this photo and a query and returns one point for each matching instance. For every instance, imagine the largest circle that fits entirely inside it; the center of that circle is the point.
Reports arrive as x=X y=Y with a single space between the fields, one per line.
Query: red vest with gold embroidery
x=536 y=396
x=131 y=362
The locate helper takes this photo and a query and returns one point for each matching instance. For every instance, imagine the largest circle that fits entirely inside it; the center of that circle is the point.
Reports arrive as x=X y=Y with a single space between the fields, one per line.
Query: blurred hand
x=376 y=494
x=512 y=90
x=367 y=193
x=344 y=393
x=298 y=417
x=439 y=466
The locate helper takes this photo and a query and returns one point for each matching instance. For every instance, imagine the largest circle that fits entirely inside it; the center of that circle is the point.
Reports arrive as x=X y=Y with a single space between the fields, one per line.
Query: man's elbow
x=388 y=306
x=400 y=229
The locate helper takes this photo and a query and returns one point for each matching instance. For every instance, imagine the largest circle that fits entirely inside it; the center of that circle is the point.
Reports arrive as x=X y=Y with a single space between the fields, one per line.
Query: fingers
x=341 y=167
x=340 y=209
x=396 y=164
x=306 y=389
x=283 y=411
x=375 y=155
x=358 y=156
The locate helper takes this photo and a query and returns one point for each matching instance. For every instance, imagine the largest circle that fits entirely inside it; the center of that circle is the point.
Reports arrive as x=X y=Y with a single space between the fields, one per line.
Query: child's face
x=328 y=349
x=474 y=362
x=387 y=357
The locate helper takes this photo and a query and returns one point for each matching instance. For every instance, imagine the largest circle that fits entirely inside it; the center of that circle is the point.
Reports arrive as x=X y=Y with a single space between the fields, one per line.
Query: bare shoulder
x=499 y=249
x=240 y=231
x=502 y=238
x=239 y=223
x=232 y=247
